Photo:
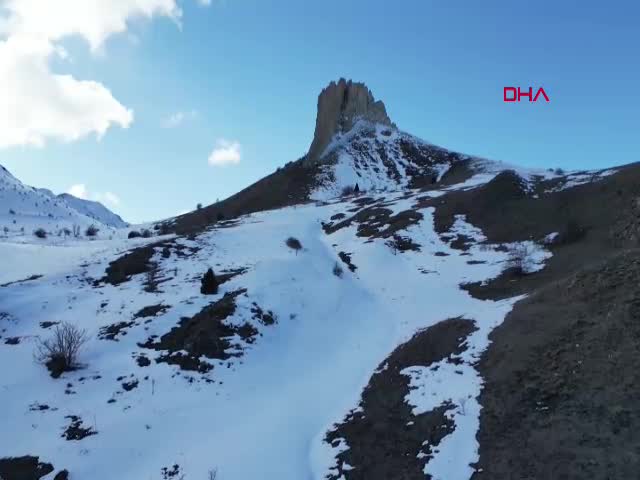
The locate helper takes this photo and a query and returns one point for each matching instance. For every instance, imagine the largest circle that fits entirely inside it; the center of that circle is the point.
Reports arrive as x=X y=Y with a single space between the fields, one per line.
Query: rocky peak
x=340 y=106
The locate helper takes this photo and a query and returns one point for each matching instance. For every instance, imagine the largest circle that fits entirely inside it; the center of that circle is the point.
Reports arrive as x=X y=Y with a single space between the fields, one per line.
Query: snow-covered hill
x=24 y=209
x=303 y=332
x=345 y=337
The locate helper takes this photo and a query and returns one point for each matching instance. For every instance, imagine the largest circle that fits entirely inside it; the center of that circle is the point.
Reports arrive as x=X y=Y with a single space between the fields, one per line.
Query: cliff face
x=340 y=105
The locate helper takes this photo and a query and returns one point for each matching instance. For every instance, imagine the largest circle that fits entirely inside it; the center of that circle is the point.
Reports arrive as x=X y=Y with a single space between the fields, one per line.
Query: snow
x=266 y=414
x=369 y=170
x=24 y=209
x=574 y=179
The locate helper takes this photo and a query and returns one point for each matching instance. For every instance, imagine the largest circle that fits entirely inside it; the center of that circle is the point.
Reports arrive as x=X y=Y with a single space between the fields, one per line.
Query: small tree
x=134 y=234
x=199 y=206
x=66 y=232
x=346 y=191
x=76 y=231
x=60 y=352
x=6 y=231
x=356 y=189
x=209 y=283
x=294 y=244
x=337 y=270
x=40 y=233
x=91 y=231
x=146 y=233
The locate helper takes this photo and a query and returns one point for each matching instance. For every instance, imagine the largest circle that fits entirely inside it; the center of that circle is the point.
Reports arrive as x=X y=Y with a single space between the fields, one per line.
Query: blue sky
x=244 y=75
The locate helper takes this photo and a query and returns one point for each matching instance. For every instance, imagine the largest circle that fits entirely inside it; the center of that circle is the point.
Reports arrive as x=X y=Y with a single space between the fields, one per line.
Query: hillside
x=25 y=209
x=456 y=318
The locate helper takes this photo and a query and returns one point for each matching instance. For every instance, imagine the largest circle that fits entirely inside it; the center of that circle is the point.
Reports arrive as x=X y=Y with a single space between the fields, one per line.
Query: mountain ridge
x=26 y=208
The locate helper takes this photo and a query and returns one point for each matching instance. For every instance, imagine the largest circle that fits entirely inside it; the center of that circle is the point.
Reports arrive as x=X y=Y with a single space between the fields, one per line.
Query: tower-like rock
x=340 y=106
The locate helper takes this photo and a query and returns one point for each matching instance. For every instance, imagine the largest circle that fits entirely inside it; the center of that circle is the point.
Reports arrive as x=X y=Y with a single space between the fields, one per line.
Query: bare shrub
x=60 y=352
x=91 y=231
x=213 y=474
x=146 y=233
x=520 y=258
x=134 y=234
x=76 y=231
x=40 y=233
x=294 y=244
x=337 y=270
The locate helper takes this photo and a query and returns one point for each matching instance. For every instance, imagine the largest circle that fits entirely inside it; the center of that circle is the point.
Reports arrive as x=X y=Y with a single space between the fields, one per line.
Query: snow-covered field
x=263 y=414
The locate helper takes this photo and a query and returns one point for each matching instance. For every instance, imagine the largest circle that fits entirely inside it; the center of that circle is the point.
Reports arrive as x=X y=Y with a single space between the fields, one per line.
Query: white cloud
x=37 y=104
x=176 y=119
x=80 y=190
x=225 y=153
x=110 y=198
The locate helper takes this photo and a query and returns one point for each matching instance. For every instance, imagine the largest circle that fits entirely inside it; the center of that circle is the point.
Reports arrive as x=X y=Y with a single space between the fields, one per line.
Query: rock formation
x=340 y=106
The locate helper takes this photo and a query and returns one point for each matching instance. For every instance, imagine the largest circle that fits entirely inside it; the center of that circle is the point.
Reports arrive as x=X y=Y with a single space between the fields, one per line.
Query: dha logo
x=513 y=94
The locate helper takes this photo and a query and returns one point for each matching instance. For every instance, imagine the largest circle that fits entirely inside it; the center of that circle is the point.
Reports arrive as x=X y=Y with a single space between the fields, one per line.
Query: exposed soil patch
x=75 y=430
x=128 y=386
x=29 y=279
x=143 y=361
x=289 y=185
x=23 y=468
x=462 y=242
x=151 y=311
x=134 y=262
x=376 y=221
x=111 y=332
x=383 y=435
x=48 y=324
x=204 y=334
x=266 y=318
x=226 y=275
x=170 y=472
x=401 y=244
x=346 y=259
x=561 y=397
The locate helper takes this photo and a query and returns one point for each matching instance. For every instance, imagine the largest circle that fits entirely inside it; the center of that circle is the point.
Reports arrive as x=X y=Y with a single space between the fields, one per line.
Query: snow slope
x=94 y=210
x=265 y=413
x=24 y=209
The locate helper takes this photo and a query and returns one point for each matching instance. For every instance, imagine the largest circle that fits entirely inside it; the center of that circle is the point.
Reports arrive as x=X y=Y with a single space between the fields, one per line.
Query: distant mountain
x=94 y=210
x=24 y=209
